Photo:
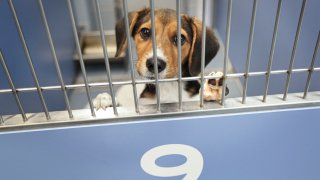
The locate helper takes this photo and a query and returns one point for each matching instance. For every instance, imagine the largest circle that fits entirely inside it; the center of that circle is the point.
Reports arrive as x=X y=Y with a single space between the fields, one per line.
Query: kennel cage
x=262 y=75
x=87 y=48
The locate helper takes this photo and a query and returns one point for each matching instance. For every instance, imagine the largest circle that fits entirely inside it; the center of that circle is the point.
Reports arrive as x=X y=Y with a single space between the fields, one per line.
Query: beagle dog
x=167 y=57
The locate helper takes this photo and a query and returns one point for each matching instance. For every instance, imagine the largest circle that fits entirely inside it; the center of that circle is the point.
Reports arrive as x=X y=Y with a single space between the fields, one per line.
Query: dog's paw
x=103 y=101
x=213 y=87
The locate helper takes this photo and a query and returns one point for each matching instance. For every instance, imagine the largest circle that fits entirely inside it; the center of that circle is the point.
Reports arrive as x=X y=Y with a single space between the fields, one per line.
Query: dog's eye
x=175 y=40
x=145 y=33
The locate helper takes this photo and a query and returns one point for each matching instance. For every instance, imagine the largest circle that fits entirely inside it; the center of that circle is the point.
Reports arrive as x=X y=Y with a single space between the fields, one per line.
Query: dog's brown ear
x=121 y=36
x=212 y=46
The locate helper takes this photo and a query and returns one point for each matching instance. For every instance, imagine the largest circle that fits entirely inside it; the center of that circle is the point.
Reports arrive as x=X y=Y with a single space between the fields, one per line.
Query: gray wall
x=86 y=15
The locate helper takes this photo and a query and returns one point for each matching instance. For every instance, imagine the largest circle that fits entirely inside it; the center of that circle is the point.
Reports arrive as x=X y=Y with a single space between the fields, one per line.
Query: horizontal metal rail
x=119 y=83
x=234 y=105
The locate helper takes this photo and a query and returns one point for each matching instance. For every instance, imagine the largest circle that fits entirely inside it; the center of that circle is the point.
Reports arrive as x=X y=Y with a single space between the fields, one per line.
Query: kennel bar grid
x=83 y=69
x=203 y=50
x=251 y=103
x=249 y=51
x=274 y=38
x=132 y=69
x=154 y=48
x=226 y=52
x=178 y=3
x=56 y=62
x=13 y=89
x=294 y=49
x=311 y=69
x=31 y=66
x=106 y=59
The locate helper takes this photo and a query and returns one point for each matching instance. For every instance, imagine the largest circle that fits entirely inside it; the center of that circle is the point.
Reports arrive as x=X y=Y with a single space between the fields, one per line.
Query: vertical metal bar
x=56 y=62
x=117 y=9
x=274 y=37
x=154 y=47
x=296 y=39
x=1 y=120
x=249 y=50
x=14 y=90
x=106 y=59
x=83 y=69
x=203 y=49
x=26 y=50
x=178 y=10
x=311 y=69
x=226 y=52
x=132 y=69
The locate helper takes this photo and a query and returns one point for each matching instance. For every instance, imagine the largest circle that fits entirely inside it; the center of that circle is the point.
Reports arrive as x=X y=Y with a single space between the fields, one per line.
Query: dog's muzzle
x=161 y=65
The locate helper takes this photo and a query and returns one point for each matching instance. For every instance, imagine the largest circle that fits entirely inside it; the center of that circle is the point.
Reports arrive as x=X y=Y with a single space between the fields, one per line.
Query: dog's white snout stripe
x=160 y=54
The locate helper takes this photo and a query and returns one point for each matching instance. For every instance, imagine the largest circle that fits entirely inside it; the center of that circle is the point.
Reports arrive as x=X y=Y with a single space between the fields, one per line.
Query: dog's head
x=166 y=42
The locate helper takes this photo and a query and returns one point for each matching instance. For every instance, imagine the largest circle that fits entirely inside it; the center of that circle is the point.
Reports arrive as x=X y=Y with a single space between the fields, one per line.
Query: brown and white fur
x=167 y=54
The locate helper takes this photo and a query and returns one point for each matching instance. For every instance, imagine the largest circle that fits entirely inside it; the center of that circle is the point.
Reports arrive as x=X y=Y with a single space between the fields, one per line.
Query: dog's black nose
x=161 y=65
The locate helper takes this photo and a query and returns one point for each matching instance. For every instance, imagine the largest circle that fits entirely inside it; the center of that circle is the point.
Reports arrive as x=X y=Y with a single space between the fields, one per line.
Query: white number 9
x=192 y=167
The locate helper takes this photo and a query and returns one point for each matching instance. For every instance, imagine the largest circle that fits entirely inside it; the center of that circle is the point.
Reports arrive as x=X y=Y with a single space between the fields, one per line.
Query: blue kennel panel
x=35 y=36
x=273 y=145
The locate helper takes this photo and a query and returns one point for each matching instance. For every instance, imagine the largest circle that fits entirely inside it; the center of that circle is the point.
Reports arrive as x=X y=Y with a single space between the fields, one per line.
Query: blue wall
x=266 y=10
x=34 y=32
